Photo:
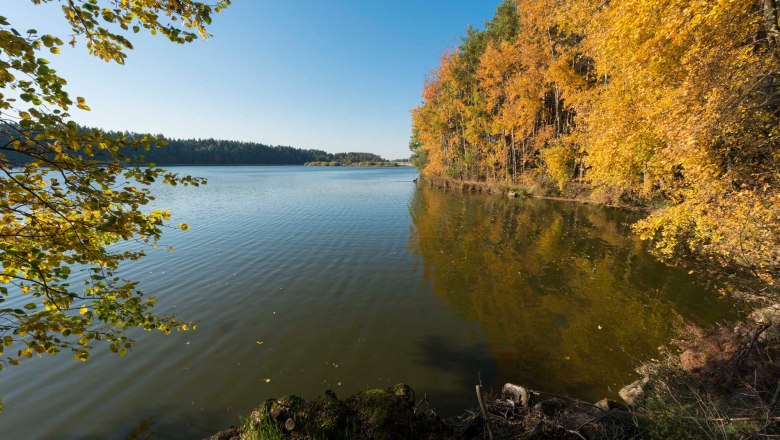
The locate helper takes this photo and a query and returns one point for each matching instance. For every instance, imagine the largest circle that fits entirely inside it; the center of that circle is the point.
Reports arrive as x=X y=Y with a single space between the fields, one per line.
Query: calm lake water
x=356 y=278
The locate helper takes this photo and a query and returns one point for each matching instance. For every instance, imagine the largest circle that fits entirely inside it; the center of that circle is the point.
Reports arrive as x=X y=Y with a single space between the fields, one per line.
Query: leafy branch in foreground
x=70 y=196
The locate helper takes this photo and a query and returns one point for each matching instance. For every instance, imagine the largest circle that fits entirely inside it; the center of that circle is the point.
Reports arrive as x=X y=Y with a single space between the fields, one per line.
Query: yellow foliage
x=559 y=161
x=51 y=225
x=675 y=101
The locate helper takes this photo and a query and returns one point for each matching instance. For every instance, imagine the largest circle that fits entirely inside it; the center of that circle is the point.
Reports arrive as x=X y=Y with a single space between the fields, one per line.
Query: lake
x=307 y=278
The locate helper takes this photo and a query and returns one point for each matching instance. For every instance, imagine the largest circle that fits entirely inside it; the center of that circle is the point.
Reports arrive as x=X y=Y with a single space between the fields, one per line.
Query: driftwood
x=484 y=411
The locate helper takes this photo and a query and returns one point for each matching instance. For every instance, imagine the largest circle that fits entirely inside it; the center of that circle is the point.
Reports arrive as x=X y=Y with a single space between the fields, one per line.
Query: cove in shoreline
x=704 y=389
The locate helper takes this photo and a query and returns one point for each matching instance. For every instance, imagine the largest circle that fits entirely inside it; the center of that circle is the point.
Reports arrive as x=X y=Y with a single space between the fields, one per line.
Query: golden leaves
x=68 y=194
x=673 y=101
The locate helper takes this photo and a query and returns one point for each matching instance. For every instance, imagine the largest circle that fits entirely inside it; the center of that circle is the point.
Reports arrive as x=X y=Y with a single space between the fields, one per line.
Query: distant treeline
x=353 y=164
x=223 y=152
x=215 y=152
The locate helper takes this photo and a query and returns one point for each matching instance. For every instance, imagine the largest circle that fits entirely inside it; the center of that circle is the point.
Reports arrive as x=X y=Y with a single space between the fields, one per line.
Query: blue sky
x=337 y=75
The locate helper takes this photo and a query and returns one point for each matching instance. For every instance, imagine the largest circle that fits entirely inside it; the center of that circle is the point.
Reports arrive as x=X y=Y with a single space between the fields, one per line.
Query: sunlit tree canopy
x=669 y=103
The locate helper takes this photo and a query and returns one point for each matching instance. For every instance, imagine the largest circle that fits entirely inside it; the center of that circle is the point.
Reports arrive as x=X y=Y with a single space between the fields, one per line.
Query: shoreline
x=356 y=164
x=578 y=194
x=723 y=381
x=720 y=382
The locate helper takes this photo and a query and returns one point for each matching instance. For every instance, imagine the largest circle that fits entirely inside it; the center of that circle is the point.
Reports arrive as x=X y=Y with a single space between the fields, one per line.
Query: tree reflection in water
x=570 y=301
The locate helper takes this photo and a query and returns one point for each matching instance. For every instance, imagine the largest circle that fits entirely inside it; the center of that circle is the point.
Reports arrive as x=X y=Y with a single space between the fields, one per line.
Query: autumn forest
x=670 y=104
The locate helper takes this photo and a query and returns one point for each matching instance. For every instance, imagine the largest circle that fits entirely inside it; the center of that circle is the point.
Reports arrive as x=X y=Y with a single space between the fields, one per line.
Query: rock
x=378 y=414
x=383 y=410
x=515 y=394
x=259 y=415
x=633 y=392
x=767 y=316
x=277 y=410
x=551 y=407
x=278 y=413
x=607 y=405
x=403 y=391
x=390 y=414
x=228 y=434
x=330 y=416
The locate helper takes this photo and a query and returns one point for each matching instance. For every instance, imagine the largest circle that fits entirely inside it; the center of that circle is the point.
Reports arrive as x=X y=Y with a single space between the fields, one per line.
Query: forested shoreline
x=672 y=104
x=353 y=164
x=170 y=151
x=226 y=152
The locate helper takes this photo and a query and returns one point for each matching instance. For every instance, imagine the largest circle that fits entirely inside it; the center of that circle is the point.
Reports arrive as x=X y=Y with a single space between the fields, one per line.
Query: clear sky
x=339 y=75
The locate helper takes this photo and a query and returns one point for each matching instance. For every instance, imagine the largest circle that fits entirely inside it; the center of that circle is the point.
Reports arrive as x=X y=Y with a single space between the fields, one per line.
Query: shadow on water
x=568 y=298
x=466 y=365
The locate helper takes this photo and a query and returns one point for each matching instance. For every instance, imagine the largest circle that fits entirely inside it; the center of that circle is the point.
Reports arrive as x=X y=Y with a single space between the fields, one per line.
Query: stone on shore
x=607 y=405
x=632 y=393
x=551 y=407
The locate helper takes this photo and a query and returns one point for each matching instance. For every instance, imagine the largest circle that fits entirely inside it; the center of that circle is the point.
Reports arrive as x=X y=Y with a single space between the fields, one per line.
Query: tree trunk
x=514 y=159
x=557 y=112
x=524 y=142
x=770 y=23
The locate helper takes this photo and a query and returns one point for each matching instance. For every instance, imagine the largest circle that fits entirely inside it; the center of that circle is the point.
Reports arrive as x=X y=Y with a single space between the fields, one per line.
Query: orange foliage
x=676 y=101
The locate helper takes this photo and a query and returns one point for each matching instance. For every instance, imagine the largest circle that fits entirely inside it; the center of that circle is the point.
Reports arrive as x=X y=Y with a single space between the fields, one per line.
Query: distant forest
x=213 y=152
x=223 y=152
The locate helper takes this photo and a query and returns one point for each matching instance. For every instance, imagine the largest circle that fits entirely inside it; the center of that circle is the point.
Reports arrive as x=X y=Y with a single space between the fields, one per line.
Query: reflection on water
x=308 y=277
x=569 y=300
